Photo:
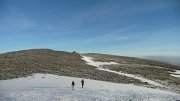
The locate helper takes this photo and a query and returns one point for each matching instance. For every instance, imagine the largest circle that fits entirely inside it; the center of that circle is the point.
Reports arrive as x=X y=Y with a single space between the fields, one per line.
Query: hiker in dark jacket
x=82 y=82
x=73 y=83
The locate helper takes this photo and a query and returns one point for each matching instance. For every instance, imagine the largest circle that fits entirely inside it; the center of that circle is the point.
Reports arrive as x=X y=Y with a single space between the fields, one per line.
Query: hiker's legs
x=73 y=87
x=82 y=85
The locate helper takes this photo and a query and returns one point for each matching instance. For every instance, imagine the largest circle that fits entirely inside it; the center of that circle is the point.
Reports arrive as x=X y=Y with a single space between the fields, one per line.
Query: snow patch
x=48 y=87
x=176 y=73
x=98 y=64
x=90 y=61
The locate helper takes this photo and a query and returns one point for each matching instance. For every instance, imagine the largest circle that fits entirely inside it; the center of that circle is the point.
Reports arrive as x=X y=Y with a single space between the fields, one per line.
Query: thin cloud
x=102 y=13
x=17 y=20
x=109 y=37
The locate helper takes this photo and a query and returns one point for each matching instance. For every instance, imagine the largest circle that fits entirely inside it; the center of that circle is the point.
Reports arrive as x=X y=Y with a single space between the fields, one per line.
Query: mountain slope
x=162 y=73
x=26 y=62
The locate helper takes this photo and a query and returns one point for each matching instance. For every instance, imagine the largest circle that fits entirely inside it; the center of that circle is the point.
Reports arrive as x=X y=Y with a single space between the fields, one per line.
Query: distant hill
x=169 y=59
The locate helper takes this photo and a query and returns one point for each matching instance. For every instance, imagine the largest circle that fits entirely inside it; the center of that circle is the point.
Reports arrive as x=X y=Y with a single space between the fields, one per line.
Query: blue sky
x=122 y=27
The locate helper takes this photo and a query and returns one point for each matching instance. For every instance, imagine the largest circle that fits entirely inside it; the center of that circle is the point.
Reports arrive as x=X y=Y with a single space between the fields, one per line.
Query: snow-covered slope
x=47 y=87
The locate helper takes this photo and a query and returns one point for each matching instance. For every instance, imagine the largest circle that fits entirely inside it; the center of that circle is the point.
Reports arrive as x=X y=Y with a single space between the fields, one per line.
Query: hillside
x=165 y=74
x=26 y=62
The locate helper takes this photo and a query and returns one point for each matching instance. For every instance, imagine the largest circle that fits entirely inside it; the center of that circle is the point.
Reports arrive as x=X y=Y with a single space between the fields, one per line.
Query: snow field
x=48 y=87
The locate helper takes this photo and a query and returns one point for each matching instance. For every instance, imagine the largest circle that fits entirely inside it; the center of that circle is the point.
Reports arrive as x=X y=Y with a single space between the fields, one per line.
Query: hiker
x=82 y=82
x=73 y=83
